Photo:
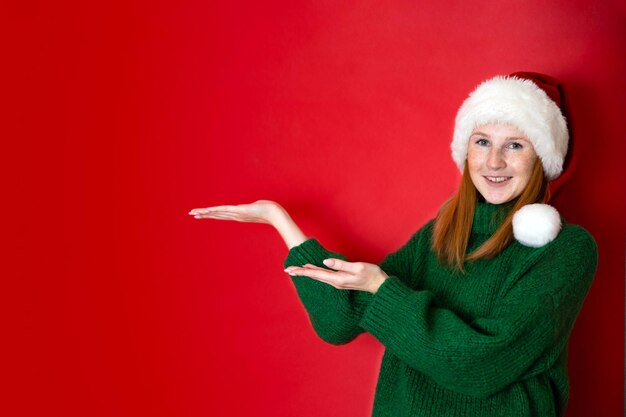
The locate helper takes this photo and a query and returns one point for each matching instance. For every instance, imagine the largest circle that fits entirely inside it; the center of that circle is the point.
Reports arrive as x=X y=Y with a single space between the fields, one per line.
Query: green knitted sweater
x=489 y=342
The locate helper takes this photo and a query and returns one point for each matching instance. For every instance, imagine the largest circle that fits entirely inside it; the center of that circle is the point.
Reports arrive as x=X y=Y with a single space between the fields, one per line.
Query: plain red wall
x=122 y=116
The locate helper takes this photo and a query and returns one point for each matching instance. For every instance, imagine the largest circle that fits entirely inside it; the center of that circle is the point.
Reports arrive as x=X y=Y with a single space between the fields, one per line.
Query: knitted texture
x=488 y=342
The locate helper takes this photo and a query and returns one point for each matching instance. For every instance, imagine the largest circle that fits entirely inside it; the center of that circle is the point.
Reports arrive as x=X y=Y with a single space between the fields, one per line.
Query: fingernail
x=328 y=262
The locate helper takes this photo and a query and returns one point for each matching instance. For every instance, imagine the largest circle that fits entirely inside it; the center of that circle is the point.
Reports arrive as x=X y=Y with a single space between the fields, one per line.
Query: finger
x=316 y=273
x=339 y=280
x=315 y=267
x=341 y=265
x=307 y=267
x=232 y=216
x=213 y=209
x=217 y=215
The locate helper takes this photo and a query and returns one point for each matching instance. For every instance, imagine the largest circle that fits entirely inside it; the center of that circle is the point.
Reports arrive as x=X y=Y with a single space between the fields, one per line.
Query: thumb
x=329 y=262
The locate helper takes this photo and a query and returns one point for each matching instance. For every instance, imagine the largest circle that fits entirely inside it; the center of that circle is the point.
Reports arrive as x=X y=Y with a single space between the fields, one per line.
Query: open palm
x=261 y=211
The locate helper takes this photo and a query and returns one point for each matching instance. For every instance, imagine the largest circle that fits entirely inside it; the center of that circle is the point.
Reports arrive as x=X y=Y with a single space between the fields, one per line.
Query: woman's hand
x=261 y=211
x=346 y=275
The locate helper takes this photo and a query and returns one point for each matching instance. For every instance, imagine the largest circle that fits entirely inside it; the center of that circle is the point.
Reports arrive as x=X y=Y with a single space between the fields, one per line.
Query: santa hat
x=530 y=102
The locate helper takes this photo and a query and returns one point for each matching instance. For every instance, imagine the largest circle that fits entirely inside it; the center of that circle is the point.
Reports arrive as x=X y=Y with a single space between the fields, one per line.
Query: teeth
x=497 y=179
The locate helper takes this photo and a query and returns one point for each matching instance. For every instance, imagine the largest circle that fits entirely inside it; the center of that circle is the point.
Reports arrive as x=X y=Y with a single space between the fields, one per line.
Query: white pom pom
x=535 y=225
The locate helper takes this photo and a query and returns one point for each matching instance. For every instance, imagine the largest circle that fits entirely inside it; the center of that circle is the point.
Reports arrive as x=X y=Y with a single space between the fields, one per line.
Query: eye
x=481 y=142
x=515 y=145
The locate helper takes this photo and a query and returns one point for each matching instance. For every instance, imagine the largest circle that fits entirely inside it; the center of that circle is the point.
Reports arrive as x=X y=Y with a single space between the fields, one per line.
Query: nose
x=495 y=160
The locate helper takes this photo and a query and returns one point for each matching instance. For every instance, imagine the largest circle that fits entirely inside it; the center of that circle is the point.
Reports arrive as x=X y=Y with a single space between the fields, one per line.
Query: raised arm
x=334 y=313
x=261 y=211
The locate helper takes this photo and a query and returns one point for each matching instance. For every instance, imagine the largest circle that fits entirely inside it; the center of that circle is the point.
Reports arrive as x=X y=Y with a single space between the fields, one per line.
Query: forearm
x=287 y=228
x=334 y=313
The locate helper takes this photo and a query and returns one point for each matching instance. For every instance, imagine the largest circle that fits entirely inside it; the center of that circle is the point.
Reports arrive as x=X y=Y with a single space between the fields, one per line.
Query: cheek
x=525 y=167
x=473 y=167
x=473 y=159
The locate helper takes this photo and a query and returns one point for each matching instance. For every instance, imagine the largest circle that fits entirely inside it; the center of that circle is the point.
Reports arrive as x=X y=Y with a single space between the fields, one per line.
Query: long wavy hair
x=453 y=224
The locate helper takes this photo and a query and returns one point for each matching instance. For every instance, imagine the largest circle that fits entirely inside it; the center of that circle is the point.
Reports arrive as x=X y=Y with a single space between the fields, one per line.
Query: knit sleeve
x=334 y=313
x=522 y=336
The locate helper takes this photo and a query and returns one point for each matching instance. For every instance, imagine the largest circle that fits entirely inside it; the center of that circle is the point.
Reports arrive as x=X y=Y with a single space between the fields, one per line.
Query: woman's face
x=500 y=160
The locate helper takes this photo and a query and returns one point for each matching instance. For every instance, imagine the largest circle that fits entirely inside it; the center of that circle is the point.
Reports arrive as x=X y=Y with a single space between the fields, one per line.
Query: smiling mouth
x=497 y=180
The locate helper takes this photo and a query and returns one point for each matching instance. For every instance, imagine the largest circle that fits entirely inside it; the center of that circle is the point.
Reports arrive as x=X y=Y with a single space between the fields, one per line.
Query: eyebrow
x=508 y=138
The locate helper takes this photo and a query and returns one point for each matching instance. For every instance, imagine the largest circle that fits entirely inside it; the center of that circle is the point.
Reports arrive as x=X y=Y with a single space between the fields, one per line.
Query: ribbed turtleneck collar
x=488 y=217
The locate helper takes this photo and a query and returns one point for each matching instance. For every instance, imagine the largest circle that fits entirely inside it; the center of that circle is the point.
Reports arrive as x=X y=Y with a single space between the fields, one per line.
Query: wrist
x=380 y=280
x=277 y=216
x=279 y=219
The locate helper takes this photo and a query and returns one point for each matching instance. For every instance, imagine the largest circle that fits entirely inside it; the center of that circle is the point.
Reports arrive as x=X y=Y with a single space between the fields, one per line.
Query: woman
x=475 y=310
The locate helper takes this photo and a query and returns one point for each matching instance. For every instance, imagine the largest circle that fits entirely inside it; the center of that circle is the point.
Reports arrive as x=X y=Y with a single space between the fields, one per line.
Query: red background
x=122 y=116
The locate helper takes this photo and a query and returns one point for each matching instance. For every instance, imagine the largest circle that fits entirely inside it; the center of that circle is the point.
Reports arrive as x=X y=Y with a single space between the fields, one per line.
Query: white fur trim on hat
x=535 y=225
x=521 y=103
